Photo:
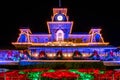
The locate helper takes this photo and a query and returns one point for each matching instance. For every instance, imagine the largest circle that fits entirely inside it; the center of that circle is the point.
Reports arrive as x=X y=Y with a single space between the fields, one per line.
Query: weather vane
x=59 y=3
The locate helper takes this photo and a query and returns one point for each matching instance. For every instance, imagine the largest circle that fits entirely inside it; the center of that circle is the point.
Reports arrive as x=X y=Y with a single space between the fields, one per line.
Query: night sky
x=86 y=15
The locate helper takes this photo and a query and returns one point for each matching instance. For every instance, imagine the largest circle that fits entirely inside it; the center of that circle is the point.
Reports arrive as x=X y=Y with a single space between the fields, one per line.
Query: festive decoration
x=60 y=75
x=42 y=55
x=59 y=55
x=95 y=55
x=60 y=43
x=51 y=74
x=77 y=55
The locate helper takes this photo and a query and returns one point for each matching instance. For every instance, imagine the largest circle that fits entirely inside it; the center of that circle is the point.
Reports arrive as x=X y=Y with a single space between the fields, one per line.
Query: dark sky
x=86 y=15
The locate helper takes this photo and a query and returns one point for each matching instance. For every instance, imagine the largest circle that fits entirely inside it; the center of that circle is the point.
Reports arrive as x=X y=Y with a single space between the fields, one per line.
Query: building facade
x=60 y=40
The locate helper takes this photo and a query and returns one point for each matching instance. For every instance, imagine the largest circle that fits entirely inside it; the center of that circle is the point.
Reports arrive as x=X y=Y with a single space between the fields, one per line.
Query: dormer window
x=59 y=35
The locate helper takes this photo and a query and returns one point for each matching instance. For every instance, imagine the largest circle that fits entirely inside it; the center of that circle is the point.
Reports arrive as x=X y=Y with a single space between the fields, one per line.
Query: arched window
x=97 y=37
x=23 y=38
x=59 y=35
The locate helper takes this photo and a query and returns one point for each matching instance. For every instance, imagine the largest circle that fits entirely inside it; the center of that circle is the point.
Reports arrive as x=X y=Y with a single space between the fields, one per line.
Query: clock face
x=60 y=18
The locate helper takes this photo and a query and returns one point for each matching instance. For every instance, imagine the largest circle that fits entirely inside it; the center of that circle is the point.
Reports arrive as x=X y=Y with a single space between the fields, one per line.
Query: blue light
x=97 y=37
x=23 y=38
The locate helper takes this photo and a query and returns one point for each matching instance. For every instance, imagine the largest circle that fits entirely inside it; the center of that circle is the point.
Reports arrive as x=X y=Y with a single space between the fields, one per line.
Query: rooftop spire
x=59 y=3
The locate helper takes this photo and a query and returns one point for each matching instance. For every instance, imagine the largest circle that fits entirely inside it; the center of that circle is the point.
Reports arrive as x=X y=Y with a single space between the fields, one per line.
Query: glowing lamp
x=53 y=54
x=35 y=55
x=65 y=55
x=50 y=55
x=69 y=55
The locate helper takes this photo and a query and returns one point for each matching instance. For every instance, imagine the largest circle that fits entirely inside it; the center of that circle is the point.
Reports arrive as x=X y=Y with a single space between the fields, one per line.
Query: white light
x=60 y=18
x=84 y=55
x=36 y=55
x=50 y=55
x=69 y=55
x=53 y=54
x=65 y=55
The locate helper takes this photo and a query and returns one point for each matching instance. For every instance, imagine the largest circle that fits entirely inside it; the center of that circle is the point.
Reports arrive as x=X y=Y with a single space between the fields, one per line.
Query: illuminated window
x=23 y=38
x=97 y=38
x=59 y=35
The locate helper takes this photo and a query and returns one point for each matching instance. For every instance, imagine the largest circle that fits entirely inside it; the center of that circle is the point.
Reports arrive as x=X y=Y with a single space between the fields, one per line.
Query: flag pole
x=59 y=3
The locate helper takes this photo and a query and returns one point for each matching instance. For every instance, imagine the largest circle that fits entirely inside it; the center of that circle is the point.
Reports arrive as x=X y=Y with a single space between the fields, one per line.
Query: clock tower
x=60 y=27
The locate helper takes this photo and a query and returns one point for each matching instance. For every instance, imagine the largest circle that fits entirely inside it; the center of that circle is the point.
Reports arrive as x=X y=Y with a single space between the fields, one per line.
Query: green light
x=34 y=75
x=102 y=72
x=21 y=72
x=35 y=79
x=51 y=70
x=73 y=70
x=83 y=76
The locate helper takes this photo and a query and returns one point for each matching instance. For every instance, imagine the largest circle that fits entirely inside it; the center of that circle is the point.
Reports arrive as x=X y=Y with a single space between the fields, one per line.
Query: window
x=59 y=35
x=23 y=38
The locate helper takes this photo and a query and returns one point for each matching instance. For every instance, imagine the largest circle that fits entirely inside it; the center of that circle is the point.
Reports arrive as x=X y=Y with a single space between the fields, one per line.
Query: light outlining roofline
x=48 y=22
x=94 y=30
x=79 y=35
x=27 y=34
x=40 y=35
x=22 y=30
x=59 y=44
x=63 y=10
